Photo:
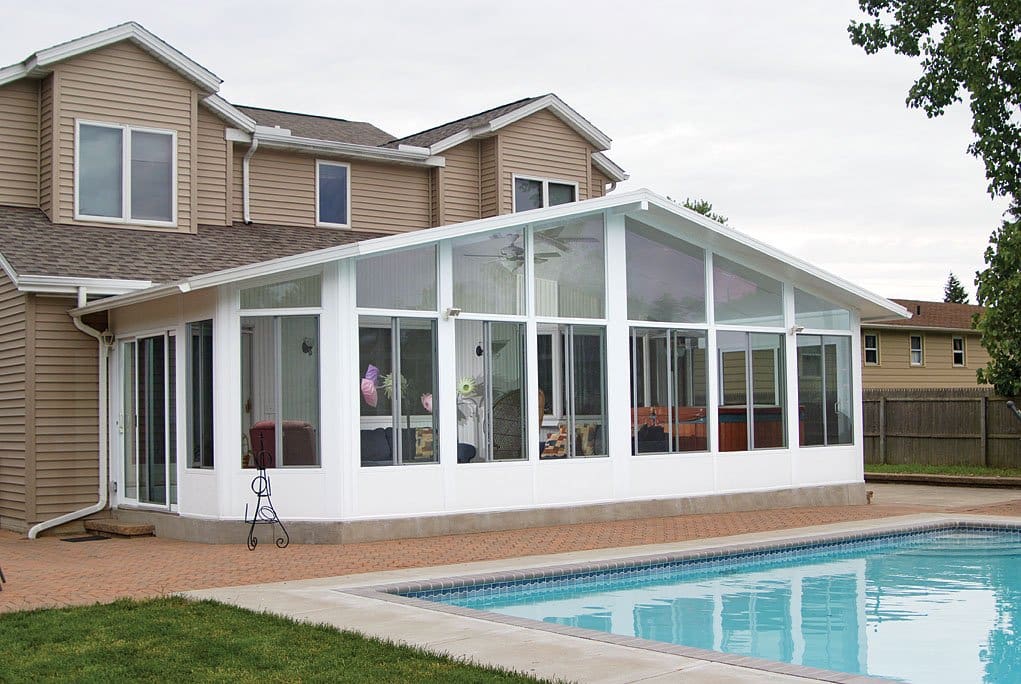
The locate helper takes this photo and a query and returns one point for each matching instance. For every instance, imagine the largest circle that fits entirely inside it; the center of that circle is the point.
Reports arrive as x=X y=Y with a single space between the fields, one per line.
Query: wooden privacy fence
x=970 y=426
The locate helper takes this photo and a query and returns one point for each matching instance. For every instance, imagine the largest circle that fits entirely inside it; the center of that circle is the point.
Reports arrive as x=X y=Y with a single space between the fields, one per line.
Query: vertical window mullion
x=749 y=391
x=825 y=401
x=671 y=412
x=634 y=391
x=487 y=375
x=395 y=408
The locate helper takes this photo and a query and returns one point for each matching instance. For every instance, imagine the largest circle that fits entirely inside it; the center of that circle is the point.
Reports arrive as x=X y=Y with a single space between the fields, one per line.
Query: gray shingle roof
x=319 y=127
x=34 y=246
x=434 y=135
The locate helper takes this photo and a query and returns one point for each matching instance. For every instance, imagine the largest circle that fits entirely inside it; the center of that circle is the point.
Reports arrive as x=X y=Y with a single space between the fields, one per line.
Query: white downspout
x=104 y=353
x=245 y=191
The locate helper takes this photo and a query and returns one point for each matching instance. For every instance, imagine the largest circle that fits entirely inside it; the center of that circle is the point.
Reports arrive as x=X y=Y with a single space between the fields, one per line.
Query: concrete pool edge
x=354 y=602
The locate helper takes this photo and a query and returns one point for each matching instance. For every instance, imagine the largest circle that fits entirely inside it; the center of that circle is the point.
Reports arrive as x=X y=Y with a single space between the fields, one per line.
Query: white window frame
x=963 y=351
x=866 y=348
x=920 y=350
x=125 y=217
x=545 y=189
x=329 y=224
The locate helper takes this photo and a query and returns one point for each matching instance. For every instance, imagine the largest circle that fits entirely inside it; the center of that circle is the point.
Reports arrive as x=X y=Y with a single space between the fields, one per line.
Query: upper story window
x=958 y=346
x=125 y=174
x=917 y=353
x=536 y=193
x=333 y=194
x=871 y=349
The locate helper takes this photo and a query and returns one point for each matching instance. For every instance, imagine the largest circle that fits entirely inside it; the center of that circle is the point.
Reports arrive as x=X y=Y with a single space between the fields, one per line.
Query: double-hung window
x=958 y=347
x=536 y=193
x=333 y=194
x=917 y=351
x=125 y=174
x=871 y=349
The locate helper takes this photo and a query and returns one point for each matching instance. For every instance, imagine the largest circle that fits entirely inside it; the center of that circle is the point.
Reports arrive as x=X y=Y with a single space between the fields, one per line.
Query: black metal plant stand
x=264 y=513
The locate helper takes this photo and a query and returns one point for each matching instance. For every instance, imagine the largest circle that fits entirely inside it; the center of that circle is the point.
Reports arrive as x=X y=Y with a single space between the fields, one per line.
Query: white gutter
x=245 y=191
x=104 y=352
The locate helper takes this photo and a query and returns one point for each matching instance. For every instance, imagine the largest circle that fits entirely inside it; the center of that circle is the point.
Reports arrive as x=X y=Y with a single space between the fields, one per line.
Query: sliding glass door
x=148 y=420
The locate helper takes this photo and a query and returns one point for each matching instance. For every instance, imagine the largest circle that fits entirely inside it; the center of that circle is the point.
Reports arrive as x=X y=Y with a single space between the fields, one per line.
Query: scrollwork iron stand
x=264 y=513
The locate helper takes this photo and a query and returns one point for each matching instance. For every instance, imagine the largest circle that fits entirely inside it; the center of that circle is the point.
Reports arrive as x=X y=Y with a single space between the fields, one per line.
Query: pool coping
x=803 y=538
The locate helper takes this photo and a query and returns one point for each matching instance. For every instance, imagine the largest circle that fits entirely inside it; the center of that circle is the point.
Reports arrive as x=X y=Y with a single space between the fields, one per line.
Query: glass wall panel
x=575 y=427
x=151 y=404
x=569 y=270
x=397 y=357
x=301 y=292
x=751 y=365
x=398 y=280
x=199 y=349
x=812 y=312
x=665 y=277
x=172 y=416
x=744 y=297
x=280 y=390
x=491 y=400
x=824 y=390
x=489 y=273
x=767 y=375
x=127 y=423
x=668 y=387
x=733 y=411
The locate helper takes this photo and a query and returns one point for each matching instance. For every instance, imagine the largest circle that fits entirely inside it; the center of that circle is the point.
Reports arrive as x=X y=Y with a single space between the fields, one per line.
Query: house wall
x=123 y=84
x=19 y=143
x=895 y=369
x=212 y=179
x=599 y=182
x=47 y=152
x=15 y=494
x=462 y=184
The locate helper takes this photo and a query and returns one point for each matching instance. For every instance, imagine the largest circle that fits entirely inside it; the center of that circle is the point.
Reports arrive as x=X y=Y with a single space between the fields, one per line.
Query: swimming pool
x=932 y=604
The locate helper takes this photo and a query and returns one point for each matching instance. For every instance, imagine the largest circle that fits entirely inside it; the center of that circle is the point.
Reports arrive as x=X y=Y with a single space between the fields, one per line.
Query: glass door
x=147 y=420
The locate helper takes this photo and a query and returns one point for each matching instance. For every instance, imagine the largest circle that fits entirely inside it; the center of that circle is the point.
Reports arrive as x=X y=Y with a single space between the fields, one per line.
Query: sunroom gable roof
x=643 y=205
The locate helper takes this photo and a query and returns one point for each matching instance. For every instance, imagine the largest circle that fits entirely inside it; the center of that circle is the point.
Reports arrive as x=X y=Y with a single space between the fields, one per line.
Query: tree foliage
x=703 y=207
x=953 y=291
x=971 y=48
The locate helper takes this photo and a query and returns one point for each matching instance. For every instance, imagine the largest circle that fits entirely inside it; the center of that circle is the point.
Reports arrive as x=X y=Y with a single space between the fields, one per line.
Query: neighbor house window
x=958 y=345
x=333 y=194
x=871 y=349
x=535 y=193
x=125 y=174
x=199 y=360
x=917 y=355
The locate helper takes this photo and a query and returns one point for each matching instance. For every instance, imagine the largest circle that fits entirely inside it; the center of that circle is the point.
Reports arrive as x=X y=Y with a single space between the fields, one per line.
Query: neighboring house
x=433 y=329
x=937 y=347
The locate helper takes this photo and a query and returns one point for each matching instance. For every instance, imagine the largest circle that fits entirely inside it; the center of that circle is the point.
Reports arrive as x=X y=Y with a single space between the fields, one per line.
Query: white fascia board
x=70 y=285
x=576 y=121
x=608 y=167
x=282 y=140
x=38 y=64
x=879 y=325
x=232 y=114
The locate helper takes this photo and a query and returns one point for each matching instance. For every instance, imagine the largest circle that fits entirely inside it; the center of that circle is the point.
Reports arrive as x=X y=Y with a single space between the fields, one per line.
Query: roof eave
x=609 y=168
x=285 y=141
x=232 y=114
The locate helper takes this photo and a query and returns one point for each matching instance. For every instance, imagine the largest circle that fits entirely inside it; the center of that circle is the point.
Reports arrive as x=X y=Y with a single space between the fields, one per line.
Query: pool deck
x=303 y=580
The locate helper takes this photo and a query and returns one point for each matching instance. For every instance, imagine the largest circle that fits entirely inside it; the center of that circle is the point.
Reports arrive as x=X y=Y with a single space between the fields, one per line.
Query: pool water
x=936 y=606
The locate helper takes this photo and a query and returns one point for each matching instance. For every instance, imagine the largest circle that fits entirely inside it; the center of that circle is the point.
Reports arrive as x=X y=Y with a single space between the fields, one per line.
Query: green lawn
x=171 y=639
x=942 y=470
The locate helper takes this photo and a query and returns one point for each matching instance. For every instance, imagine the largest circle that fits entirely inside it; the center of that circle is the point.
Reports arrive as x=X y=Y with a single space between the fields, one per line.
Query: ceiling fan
x=514 y=253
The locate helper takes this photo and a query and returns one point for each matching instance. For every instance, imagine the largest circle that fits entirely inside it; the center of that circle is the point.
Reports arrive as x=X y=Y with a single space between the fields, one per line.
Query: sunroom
x=612 y=357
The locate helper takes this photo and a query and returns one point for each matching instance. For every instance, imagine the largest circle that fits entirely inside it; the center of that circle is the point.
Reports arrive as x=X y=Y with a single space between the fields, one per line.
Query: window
x=751 y=366
x=333 y=194
x=125 y=174
x=300 y=292
x=570 y=264
x=745 y=297
x=871 y=349
x=665 y=276
x=917 y=354
x=668 y=390
x=399 y=423
x=199 y=360
x=489 y=273
x=814 y=313
x=534 y=193
x=572 y=378
x=958 y=346
x=824 y=389
x=404 y=279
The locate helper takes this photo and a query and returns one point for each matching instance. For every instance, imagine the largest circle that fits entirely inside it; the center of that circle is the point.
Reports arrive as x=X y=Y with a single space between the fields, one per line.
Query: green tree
x=971 y=48
x=953 y=291
x=703 y=207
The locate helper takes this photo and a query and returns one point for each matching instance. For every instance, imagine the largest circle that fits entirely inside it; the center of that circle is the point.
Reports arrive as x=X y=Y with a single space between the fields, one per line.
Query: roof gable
x=41 y=63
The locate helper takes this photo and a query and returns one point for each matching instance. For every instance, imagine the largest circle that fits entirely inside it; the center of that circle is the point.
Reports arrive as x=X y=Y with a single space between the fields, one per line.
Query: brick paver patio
x=49 y=572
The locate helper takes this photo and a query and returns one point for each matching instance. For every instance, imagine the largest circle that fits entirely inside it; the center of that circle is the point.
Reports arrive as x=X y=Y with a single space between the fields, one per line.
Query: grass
x=942 y=470
x=170 y=639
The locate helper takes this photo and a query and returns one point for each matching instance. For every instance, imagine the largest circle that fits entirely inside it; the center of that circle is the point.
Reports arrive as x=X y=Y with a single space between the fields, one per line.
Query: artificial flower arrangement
x=371 y=383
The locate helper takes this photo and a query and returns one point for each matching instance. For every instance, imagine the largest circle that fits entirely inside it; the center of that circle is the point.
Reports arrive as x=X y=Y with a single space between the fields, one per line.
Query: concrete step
x=120 y=529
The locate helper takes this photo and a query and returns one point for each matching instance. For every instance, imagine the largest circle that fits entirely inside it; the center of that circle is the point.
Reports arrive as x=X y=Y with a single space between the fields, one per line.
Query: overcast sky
x=764 y=109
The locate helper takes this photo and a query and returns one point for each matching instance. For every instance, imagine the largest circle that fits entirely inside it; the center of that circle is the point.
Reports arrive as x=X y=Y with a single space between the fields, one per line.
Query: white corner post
x=618 y=370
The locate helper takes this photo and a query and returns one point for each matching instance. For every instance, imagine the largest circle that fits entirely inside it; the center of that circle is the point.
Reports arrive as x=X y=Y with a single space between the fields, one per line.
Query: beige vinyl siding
x=237 y=197
x=489 y=191
x=122 y=84
x=19 y=143
x=46 y=152
x=542 y=146
x=599 y=182
x=436 y=204
x=66 y=415
x=384 y=197
x=211 y=183
x=462 y=195
x=13 y=476
x=937 y=370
